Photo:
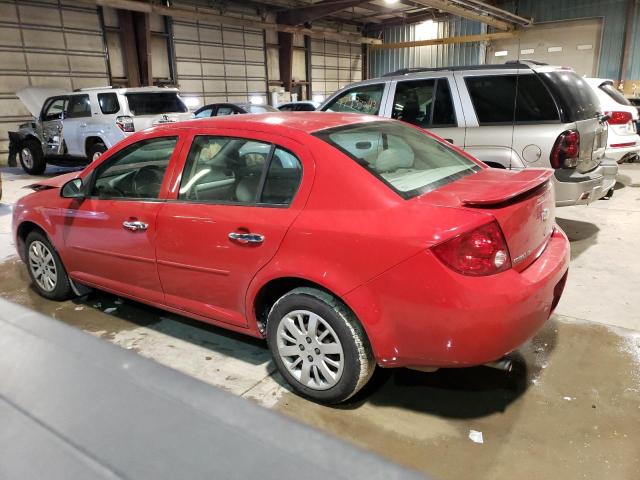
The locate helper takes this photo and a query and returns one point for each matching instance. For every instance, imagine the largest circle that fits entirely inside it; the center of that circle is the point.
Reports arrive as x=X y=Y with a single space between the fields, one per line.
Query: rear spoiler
x=524 y=183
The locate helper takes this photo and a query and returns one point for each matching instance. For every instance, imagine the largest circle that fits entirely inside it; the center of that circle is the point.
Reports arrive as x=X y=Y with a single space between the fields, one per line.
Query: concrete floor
x=570 y=409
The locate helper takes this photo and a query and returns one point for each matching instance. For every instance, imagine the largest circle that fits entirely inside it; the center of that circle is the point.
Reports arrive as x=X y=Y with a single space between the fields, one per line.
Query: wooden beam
x=448 y=40
x=285 y=59
x=143 y=43
x=448 y=7
x=205 y=14
x=129 y=47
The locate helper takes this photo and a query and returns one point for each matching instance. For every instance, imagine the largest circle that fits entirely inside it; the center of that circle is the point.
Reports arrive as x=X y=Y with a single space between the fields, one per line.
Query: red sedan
x=346 y=240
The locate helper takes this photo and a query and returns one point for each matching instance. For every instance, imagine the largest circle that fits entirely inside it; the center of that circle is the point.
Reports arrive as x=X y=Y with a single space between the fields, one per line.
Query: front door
x=109 y=236
x=429 y=104
x=234 y=203
x=52 y=132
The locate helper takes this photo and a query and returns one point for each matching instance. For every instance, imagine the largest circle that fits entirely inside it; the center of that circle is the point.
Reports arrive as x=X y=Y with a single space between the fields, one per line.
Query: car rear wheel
x=45 y=268
x=319 y=346
x=32 y=158
x=96 y=150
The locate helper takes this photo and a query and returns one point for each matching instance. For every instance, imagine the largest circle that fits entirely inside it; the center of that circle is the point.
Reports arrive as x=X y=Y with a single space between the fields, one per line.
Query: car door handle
x=135 y=226
x=246 y=237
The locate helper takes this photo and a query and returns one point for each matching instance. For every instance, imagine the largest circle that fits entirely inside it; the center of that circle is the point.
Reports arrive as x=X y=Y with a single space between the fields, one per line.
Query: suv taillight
x=619 y=118
x=125 y=123
x=482 y=251
x=566 y=150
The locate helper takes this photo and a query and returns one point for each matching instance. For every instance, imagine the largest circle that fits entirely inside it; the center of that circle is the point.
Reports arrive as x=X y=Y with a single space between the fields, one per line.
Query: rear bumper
x=421 y=314
x=619 y=154
x=575 y=188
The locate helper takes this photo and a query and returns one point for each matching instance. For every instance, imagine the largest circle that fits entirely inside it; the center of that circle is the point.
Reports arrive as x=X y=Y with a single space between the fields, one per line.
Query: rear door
x=237 y=196
x=76 y=118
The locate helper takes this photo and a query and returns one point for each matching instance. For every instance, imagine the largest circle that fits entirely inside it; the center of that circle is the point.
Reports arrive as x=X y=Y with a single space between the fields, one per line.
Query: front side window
x=231 y=170
x=362 y=99
x=108 y=102
x=425 y=103
x=79 y=107
x=155 y=103
x=136 y=172
x=55 y=109
x=408 y=161
x=504 y=99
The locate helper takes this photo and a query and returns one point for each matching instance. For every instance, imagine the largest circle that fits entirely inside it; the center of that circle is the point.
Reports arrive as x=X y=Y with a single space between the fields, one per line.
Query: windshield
x=610 y=90
x=408 y=161
x=155 y=103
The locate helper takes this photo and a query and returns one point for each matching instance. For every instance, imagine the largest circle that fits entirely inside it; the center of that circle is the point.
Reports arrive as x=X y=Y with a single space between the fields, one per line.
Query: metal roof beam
x=453 y=9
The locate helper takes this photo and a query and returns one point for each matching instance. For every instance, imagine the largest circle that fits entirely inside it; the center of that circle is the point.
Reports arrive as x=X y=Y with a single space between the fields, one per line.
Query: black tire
x=609 y=194
x=38 y=164
x=357 y=359
x=96 y=148
x=62 y=290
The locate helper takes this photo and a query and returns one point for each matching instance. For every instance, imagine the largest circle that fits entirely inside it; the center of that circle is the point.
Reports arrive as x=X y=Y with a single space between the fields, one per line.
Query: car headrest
x=392 y=159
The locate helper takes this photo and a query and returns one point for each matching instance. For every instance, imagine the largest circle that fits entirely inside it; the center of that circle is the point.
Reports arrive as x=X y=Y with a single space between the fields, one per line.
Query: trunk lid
x=522 y=202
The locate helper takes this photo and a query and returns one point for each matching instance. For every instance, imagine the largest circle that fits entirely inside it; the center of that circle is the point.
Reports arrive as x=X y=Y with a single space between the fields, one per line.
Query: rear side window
x=108 y=103
x=232 y=170
x=426 y=103
x=610 y=90
x=576 y=99
x=494 y=99
x=79 y=107
x=407 y=160
x=362 y=99
x=155 y=103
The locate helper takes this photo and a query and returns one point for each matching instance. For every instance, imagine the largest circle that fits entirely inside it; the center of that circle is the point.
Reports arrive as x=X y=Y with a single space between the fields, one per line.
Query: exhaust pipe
x=505 y=364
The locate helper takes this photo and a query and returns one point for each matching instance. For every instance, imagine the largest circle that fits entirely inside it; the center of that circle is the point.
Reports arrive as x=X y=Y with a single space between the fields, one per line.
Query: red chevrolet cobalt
x=346 y=240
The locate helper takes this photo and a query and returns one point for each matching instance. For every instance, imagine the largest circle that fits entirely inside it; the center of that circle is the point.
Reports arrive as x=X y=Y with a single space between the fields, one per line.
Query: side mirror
x=72 y=189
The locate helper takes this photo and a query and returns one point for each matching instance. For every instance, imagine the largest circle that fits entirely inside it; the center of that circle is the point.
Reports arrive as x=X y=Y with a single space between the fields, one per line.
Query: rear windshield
x=610 y=90
x=155 y=103
x=576 y=99
x=408 y=161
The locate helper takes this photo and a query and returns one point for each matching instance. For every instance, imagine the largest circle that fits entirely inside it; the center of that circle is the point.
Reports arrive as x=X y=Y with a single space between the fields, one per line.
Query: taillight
x=125 y=124
x=619 y=118
x=566 y=150
x=482 y=251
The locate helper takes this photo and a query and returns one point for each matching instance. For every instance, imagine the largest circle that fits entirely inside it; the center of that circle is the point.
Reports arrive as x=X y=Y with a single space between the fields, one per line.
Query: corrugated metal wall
x=612 y=11
x=384 y=61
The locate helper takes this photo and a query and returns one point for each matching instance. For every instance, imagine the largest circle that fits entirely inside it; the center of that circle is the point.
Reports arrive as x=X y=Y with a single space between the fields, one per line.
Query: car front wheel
x=32 y=158
x=45 y=268
x=319 y=346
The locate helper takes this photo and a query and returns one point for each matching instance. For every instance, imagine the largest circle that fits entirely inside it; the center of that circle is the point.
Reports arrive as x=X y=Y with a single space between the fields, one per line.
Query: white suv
x=77 y=127
x=512 y=116
x=623 y=142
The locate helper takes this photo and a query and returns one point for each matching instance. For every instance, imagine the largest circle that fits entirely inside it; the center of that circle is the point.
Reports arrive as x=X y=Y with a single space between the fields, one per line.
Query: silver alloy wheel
x=27 y=157
x=310 y=349
x=96 y=156
x=43 y=266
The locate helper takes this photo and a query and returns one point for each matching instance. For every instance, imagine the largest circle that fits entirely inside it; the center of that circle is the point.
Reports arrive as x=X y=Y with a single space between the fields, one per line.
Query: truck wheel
x=319 y=346
x=96 y=150
x=32 y=158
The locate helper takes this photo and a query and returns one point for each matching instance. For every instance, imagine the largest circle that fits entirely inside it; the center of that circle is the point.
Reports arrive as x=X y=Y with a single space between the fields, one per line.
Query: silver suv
x=77 y=127
x=510 y=116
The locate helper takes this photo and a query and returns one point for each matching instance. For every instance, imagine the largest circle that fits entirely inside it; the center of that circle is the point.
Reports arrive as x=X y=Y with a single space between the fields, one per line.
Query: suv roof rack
x=89 y=89
x=527 y=62
x=510 y=64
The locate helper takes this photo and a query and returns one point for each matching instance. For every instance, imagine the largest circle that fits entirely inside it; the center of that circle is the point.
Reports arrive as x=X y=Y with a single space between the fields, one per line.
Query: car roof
x=306 y=122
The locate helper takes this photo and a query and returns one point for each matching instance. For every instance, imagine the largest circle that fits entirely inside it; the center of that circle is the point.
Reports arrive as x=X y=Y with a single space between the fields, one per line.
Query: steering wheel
x=147 y=181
